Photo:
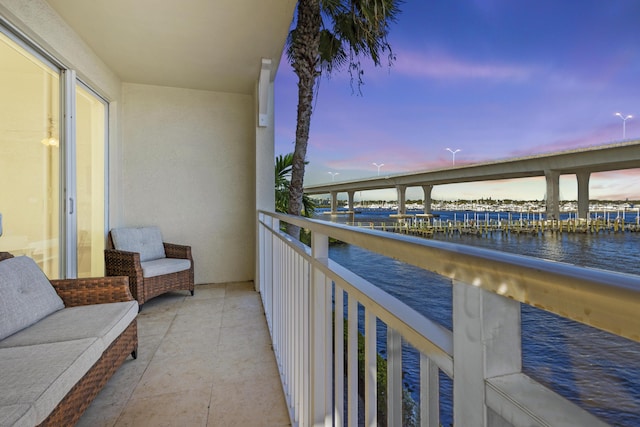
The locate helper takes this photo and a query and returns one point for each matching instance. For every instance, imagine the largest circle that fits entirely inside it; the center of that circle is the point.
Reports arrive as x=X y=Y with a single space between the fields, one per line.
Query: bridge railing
x=317 y=351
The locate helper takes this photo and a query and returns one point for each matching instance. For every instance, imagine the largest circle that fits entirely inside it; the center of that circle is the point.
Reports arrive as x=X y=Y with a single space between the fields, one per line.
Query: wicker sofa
x=153 y=266
x=60 y=342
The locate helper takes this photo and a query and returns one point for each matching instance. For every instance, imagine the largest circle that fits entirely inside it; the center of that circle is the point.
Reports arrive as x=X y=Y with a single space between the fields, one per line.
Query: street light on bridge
x=333 y=175
x=624 y=123
x=378 y=166
x=453 y=153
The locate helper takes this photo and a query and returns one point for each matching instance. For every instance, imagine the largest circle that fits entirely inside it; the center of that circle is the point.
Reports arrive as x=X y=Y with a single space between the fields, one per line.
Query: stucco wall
x=189 y=167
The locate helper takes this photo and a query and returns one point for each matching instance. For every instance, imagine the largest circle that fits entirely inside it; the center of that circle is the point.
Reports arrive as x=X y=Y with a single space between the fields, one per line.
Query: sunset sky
x=494 y=79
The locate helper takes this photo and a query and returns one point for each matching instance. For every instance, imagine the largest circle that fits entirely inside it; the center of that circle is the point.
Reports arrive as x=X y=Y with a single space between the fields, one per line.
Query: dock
x=427 y=227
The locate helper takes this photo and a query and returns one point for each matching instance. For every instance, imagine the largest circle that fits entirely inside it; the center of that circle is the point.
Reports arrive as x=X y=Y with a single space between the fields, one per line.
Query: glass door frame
x=68 y=217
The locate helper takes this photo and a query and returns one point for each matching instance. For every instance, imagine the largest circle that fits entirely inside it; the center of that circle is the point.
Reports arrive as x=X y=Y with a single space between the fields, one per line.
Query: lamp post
x=453 y=153
x=333 y=175
x=378 y=166
x=624 y=123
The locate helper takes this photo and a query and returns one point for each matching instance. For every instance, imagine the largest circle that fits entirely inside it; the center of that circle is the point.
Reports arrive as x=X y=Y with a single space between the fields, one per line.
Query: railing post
x=320 y=338
x=394 y=378
x=486 y=343
x=260 y=255
x=301 y=338
x=274 y=277
x=429 y=393
x=352 y=361
x=338 y=357
x=370 y=370
x=266 y=263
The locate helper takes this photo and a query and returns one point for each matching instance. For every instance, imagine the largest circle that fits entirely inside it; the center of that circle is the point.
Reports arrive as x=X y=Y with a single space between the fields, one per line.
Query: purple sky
x=494 y=78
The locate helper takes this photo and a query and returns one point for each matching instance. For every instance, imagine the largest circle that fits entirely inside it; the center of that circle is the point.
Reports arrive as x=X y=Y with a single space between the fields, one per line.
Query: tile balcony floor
x=204 y=360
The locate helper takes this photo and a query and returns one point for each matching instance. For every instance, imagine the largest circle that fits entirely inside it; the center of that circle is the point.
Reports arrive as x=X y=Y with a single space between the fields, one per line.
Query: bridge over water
x=581 y=162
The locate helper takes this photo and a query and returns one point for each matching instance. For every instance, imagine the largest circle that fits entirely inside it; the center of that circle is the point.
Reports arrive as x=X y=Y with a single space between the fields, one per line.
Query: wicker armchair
x=124 y=263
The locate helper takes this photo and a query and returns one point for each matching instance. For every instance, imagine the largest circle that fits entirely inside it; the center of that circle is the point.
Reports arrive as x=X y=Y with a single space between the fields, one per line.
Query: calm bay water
x=597 y=370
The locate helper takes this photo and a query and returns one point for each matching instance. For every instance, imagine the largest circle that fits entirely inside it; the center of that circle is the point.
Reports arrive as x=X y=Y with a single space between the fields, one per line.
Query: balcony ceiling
x=199 y=44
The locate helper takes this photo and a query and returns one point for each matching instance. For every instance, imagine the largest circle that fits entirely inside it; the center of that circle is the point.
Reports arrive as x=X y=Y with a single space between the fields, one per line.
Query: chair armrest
x=173 y=250
x=122 y=263
x=96 y=290
x=5 y=255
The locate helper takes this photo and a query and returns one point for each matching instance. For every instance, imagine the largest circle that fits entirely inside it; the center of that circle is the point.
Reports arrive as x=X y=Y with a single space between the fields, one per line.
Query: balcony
x=199 y=355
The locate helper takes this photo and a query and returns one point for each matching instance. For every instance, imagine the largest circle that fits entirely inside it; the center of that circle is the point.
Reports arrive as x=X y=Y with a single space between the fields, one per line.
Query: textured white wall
x=189 y=168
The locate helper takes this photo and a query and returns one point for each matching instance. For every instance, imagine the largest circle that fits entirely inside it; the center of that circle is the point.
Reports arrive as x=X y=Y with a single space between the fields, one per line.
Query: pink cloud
x=395 y=159
x=444 y=66
x=597 y=136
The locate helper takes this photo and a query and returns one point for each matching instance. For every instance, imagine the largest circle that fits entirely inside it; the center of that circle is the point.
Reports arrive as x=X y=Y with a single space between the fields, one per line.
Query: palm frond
x=354 y=30
x=283 y=166
x=332 y=53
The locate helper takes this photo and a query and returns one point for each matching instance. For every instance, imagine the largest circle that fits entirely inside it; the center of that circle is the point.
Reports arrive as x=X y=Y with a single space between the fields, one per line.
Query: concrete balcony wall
x=188 y=166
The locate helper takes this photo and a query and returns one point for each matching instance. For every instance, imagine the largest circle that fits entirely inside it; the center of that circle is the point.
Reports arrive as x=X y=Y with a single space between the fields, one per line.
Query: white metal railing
x=300 y=288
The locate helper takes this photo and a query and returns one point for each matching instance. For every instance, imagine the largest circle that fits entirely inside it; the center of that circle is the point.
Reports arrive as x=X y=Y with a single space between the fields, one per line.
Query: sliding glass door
x=30 y=160
x=91 y=113
x=52 y=165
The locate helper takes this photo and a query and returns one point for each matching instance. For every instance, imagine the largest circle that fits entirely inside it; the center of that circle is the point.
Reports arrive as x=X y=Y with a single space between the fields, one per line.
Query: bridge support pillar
x=427 y=198
x=402 y=193
x=583 y=194
x=553 y=194
x=334 y=202
x=351 y=195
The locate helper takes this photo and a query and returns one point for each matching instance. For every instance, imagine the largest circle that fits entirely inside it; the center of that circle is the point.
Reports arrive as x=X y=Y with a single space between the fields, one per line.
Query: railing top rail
x=603 y=299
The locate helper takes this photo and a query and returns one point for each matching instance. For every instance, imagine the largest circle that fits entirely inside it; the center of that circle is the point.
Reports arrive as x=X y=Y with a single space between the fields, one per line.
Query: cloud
x=445 y=66
x=395 y=160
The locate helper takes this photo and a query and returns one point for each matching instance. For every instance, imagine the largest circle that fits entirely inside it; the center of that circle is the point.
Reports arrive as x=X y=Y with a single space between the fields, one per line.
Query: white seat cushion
x=103 y=321
x=41 y=375
x=158 y=267
x=19 y=415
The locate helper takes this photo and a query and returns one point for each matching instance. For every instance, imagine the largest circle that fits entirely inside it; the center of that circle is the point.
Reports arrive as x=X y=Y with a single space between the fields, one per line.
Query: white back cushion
x=26 y=295
x=147 y=241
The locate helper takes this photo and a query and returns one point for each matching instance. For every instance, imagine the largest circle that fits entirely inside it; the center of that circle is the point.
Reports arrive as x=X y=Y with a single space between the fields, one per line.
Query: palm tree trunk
x=306 y=47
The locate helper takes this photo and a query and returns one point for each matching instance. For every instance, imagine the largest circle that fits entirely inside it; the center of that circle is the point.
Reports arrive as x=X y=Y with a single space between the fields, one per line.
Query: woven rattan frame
x=5 y=255
x=122 y=263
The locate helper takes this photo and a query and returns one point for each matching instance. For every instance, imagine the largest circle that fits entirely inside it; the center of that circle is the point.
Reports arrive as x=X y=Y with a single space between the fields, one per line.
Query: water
x=597 y=370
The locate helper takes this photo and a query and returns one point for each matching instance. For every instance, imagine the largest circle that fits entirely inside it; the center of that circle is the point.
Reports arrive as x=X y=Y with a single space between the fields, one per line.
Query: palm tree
x=283 y=173
x=331 y=34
